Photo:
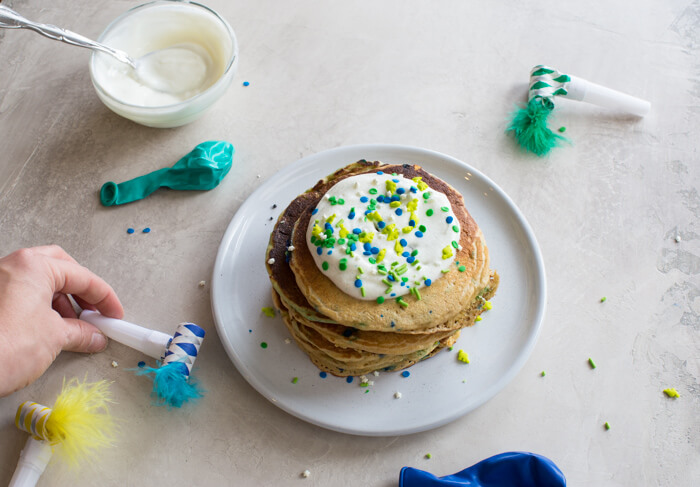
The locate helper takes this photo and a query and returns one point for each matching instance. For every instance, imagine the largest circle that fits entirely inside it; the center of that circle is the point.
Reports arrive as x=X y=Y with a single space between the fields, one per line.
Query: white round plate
x=438 y=390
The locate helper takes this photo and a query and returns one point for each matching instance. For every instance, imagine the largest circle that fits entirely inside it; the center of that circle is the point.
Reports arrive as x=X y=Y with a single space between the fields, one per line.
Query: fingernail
x=98 y=342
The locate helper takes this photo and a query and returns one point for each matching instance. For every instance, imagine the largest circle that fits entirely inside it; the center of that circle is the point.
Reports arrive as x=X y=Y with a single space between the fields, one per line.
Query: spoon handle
x=9 y=19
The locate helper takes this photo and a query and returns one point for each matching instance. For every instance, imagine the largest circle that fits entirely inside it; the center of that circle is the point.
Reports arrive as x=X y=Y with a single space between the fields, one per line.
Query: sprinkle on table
x=672 y=392
x=463 y=356
x=263 y=345
x=562 y=129
x=428 y=456
x=130 y=231
x=268 y=311
x=606 y=425
x=543 y=373
x=147 y=230
x=246 y=83
x=603 y=299
x=591 y=363
x=295 y=380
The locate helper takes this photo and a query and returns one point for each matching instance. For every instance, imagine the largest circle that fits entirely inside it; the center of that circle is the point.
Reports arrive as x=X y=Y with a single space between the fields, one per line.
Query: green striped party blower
x=529 y=124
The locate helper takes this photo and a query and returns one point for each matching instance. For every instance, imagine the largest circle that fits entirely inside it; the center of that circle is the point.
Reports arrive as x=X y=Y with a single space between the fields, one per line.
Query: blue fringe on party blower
x=529 y=124
x=172 y=383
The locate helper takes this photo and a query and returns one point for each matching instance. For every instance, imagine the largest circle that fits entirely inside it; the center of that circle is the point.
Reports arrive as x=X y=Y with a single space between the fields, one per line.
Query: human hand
x=37 y=320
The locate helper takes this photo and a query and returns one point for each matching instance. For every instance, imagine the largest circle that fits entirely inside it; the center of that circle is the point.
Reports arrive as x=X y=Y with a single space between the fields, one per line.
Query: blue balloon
x=512 y=469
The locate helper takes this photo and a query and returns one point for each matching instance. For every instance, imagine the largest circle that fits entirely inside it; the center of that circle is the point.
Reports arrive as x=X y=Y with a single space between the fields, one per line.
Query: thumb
x=82 y=336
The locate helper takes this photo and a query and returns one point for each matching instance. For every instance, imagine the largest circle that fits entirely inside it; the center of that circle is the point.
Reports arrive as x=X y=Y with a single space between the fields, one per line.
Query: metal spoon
x=149 y=68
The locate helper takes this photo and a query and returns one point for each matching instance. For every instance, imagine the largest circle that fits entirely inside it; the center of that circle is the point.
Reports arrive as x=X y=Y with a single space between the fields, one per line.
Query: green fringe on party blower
x=529 y=125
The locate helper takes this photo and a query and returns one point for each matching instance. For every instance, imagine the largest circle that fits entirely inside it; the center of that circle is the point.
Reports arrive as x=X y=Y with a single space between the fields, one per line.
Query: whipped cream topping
x=381 y=236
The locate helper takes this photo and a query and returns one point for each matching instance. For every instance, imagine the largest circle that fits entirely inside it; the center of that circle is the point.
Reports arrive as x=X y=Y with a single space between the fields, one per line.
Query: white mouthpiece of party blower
x=32 y=463
x=547 y=82
x=150 y=342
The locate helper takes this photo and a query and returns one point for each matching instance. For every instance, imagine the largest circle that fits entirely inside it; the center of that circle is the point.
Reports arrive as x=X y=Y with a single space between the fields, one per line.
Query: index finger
x=72 y=278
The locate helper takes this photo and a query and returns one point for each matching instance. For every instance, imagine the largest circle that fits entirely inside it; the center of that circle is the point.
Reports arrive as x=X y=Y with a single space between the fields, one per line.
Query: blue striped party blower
x=172 y=383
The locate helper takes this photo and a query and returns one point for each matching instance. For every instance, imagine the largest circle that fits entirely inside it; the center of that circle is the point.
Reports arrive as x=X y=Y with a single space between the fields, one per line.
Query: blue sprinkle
x=142 y=364
x=246 y=83
x=400 y=191
x=375 y=250
x=353 y=247
x=381 y=225
x=323 y=375
x=367 y=246
x=147 y=230
x=419 y=234
x=403 y=242
x=393 y=324
x=380 y=172
x=393 y=295
x=250 y=331
x=358 y=283
x=315 y=211
x=366 y=252
x=347 y=333
x=364 y=199
x=399 y=211
x=351 y=216
x=405 y=254
x=390 y=277
x=449 y=219
x=428 y=282
x=396 y=198
x=403 y=283
x=349 y=379
x=129 y=230
x=328 y=226
x=405 y=373
x=410 y=259
x=319 y=250
x=368 y=212
x=356 y=231
x=329 y=252
x=411 y=223
x=414 y=189
x=380 y=199
x=395 y=180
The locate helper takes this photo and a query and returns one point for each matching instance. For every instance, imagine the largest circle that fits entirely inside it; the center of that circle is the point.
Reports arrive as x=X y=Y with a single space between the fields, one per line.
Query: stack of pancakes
x=346 y=336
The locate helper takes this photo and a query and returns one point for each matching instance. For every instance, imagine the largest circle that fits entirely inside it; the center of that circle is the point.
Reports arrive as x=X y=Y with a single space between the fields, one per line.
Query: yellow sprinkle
x=487 y=305
x=380 y=255
x=421 y=185
x=463 y=356
x=343 y=231
x=412 y=205
x=269 y=312
x=316 y=231
x=672 y=392
x=407 y=229
x=366 y=237
x=447 y=252
x=390 y=186
x=395 y=204
x=478 y=318
x=398 y=248
x=331 y=218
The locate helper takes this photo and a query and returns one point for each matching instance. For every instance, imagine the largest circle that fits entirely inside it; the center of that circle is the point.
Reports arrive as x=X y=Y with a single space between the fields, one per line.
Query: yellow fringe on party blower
x=80 y=421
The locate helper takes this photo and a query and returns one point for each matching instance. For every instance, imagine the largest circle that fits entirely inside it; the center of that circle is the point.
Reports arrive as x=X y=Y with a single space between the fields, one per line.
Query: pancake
x=440 y=302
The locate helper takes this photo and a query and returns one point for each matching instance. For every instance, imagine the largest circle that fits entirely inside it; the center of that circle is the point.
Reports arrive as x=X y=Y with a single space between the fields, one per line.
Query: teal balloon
x=200 y=170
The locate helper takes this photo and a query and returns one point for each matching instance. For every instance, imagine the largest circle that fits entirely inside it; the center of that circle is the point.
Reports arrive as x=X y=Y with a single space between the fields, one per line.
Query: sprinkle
x=373 y=191
x=422 y=228
x=287 y=341
x=358 y=283
x=401 y=302
x=141 y=364
x=606 y=426
x=591 y=363
x=324 y=265
x=274 y=206
x=295 y=380
x=449 y=219
x=463 y=356
x=419 y=234
x=271 y=260
x=562 y=130
x=323 y=375
x=349 y=379
x=291 y=248
x=455 y=244
x=428 y=282
x=672 y=392
x=246 y=83
x=130 y=230
x=380 y=299
x=461 y=268
x=488 y=305
x=444 y=208
x=603 y=299
x=146 y=230
x=543 y=373
x=269 y=312
x=429 y=212
x=428 y=456
x=362 y=292
x=115 y=364
x=202 y=283
x=263 y=345
x=306 y=474
x=677 y=239
x=343 y=264
x=405 y=373
x=455 y=228
x=397 y=395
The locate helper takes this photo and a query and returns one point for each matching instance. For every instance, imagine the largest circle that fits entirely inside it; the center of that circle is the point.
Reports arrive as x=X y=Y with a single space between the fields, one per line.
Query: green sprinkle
x=562 y=130
x=461 y=268
x=359 y=270
x=387 y=282
x=380 y=299
x=388 y=290
x=269 y=312
x=422 y=228
x=672 y=392
x=372 y=260
x=543 y=373
x=343 y=264
x=263 y=345
x=591 y=363
x=428 y=456
x=324 y=265
x=426 y=195
x=373 y=191
x=401 y=302
x=429 y=212
x=455 y=228
x=444 y=208
x=382 y=272
x=445 y=271
x=341 y=201
x=603 y=299
x=415 y=252
x=295 y=380
x=341 y=241
x=606 y=425
x=416 y=293
x=362 y=291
